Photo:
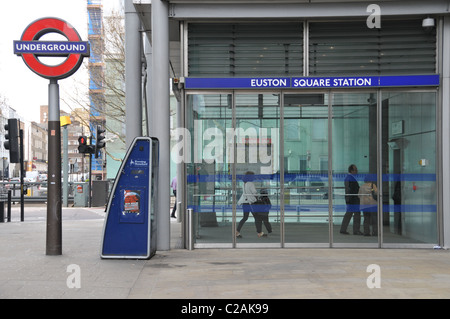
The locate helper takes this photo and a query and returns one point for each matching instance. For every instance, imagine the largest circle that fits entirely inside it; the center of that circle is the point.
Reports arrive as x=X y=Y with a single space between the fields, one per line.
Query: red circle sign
x=44 y=26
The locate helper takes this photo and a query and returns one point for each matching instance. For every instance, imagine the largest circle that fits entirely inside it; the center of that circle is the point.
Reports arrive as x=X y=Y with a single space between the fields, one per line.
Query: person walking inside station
x=247 y=199
x=174 y=190
x=261 y=213
x=352 y=202
x=368 y=203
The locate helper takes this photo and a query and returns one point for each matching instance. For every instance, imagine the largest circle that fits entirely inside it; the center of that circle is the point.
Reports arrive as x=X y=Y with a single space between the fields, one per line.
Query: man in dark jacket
x=352 y=201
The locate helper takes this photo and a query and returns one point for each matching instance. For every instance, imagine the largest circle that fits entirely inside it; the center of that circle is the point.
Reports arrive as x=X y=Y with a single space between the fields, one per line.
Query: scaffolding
x=96 y=76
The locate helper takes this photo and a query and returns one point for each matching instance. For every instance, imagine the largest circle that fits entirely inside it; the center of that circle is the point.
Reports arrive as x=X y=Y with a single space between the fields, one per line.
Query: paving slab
x=28 y=273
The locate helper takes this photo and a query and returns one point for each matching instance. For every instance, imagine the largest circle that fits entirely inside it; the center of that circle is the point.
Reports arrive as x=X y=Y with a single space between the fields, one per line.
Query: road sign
x=30 y=48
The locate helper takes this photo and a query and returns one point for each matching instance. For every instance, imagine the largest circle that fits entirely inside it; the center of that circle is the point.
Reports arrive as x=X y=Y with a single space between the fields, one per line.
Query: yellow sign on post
x=65 y=120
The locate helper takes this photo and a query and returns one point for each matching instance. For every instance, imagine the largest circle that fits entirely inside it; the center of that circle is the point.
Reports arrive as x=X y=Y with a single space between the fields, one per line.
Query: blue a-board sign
x=130 y=230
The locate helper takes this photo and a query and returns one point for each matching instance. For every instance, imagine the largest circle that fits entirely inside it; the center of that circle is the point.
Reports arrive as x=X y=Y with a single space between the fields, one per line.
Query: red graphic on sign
x=132 y=201
x=42 y=27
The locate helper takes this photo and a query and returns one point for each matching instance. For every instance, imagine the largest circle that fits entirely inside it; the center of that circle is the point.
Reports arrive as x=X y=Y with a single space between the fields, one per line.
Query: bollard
x=190 y=223
x=2 y=212
x=9 y=207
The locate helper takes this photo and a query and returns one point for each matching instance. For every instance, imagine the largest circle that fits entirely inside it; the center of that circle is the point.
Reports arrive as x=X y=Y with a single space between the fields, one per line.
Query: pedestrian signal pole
x=91 y=150
x=12 y=140
x=14 y=143
x=99 y=143
x=82 y=144
x=84 y=148
x=22 y=175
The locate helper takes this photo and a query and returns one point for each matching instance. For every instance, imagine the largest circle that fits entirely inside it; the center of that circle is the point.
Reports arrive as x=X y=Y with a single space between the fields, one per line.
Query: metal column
x=133 y=71
x=161 y=115
x=148 y=88
x=444 y=127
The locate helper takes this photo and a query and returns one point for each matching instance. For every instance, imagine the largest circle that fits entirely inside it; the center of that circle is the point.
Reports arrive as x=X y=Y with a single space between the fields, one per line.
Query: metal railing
x=34 y=191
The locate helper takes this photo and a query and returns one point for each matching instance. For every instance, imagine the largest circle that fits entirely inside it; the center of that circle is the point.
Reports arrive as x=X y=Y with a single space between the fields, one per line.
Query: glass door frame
x=332 y=243
x=379 y=117
x=284 y=243
x=438 y=167
x=235 y=243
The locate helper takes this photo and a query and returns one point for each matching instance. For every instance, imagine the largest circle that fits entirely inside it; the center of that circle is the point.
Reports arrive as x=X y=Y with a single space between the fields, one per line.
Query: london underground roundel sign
x=30 y=48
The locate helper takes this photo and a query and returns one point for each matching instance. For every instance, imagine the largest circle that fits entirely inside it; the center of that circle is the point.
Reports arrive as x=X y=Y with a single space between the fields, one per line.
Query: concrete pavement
x=26 y=272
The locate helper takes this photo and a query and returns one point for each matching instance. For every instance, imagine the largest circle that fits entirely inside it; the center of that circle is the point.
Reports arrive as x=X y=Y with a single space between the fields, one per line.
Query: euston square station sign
x=312 y=82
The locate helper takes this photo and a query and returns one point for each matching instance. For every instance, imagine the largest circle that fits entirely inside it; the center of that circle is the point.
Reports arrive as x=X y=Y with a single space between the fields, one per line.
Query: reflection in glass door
x=409 y=173
x=256 y=149
x=233 y=140
x=208 y=168
x=354 y=167
x=306 y=212
x=325 y=180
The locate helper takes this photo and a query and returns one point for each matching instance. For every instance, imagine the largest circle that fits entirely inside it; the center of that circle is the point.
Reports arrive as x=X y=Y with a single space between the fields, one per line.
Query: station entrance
x=297 y=146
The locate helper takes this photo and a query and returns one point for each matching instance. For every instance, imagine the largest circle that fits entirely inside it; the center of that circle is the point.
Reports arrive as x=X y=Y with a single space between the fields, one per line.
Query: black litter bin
x=99 y=193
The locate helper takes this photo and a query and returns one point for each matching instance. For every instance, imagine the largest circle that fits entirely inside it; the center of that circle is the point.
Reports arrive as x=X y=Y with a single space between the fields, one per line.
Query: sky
x=24 y=90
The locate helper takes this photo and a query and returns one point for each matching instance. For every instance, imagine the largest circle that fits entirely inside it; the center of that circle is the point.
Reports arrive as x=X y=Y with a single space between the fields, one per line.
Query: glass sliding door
x=233 y=140
x=208 y=167
x=354 y=168
x=340 y=168
x=306 y=212
x=257 y=168
x=409 y=173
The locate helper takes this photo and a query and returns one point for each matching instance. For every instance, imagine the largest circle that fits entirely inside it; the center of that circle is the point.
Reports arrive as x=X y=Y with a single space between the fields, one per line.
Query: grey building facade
x=296 y=92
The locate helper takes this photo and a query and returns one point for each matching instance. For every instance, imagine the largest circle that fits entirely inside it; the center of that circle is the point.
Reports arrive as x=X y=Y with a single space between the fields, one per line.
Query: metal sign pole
x=54 y=205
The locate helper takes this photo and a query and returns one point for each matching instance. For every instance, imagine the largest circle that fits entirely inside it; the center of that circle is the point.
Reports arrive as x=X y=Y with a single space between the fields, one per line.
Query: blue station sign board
x=311 y=82
x=51 y=48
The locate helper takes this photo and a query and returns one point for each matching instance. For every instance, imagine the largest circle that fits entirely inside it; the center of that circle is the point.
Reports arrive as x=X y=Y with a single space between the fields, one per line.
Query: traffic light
x=100 y=143
x=12 y=140
x=82 y=147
